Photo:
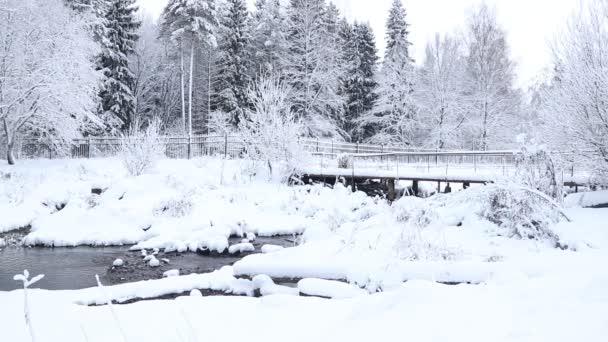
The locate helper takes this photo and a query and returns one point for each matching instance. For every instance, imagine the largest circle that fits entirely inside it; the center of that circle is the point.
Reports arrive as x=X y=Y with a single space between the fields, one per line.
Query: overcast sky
x=530 y=24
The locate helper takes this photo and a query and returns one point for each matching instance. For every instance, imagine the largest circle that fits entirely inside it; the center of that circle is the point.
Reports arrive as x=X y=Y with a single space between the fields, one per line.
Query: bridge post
x=392 y=195
x=415 y=187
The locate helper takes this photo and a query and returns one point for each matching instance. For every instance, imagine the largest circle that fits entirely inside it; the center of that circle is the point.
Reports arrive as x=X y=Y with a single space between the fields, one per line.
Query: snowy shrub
x=521 y=213
x=270 y=131
x=415 y=211
x=412 y=244
x=219 y=123
x=178 y=207
x=27 y=282
x=140 y=150
x=345 y=161
x=536 y=168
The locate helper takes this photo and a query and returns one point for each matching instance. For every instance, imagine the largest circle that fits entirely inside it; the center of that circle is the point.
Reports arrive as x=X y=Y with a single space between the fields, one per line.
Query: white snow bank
x=328 y=288
x=267 y=287
x=271 y=248
x=220 y=280
x=586 y=199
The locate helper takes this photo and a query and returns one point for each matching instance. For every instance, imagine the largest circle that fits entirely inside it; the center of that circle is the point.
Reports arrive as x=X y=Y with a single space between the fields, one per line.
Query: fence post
x=332 y=146
x=225 y=145
x=189 y=146
x=317 y=145
x=89 y=148
x=357 y=146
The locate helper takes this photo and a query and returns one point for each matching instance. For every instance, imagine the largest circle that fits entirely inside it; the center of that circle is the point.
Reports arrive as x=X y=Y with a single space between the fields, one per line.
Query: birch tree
x=574 y=105
x=491 y=75
x=47 y=80
x=440 y=94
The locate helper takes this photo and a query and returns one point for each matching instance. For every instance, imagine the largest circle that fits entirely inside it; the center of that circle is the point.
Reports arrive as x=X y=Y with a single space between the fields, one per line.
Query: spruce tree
x=118 y=41
x=269 y=45
x=360 y=84
x=394 y=116
x=235 y=61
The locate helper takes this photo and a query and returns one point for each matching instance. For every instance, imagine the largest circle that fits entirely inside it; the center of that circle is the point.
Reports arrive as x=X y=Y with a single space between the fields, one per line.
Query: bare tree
x=47 y=81
x=491 y=76
x=440 y=94
x=574 y=108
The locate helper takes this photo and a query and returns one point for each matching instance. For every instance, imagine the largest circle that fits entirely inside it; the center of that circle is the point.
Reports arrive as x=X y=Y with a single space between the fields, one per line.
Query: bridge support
x=392 y=194
x=415 y=188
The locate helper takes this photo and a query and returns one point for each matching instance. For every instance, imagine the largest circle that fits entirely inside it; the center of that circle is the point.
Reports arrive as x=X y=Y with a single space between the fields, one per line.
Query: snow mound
x=241 y=248
x=328 y=288
x=267 y=287
x=587 y=199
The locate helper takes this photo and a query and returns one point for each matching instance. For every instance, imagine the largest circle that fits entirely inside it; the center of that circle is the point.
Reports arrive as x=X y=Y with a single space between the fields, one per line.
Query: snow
x=328 y=288
x=587 y=199
x=154 y=262
x=353 y=248
x=171 y=273
x=241 y=248
x=271 y=248
x=118 y=263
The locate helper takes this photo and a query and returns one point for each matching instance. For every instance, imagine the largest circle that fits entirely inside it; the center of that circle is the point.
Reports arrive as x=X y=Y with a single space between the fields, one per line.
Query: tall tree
x=491 y=76
x=573 y=108
x=48 y=83
x=440 y=93
x=118 y=42
x=360 y=84
x=235 y=59
x=189 y=23
x=269 y=29
x=395 y=114
x=314 y=82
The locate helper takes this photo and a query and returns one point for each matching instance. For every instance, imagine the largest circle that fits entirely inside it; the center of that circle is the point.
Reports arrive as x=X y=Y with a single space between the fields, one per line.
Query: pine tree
x=118 y=41
x=394 y=116
x=235 y=61
x=269 y=45
x=360 y=82
x=189 y=22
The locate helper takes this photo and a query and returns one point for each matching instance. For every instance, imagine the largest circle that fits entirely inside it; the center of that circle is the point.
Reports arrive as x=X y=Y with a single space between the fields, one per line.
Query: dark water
x=75 y=268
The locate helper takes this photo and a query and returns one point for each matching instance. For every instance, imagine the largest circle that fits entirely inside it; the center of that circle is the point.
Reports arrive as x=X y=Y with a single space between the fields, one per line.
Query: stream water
x=75 y=268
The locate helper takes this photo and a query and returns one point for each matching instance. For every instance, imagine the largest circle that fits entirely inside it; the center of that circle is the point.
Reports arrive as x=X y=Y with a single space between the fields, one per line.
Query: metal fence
x=184 y=147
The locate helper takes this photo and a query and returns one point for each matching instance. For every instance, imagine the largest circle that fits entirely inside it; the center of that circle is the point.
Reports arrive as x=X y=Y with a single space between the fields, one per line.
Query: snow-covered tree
x=269 y=30
x=47 y=80
x=394 y=117
x=360 y=83
x=118 y=42
x=235 y=59
x=314 y=81
x=440 y=93
x=574 y=105
x=189 y=23
x=155 y=84
x=270 y=130
x=491 y=76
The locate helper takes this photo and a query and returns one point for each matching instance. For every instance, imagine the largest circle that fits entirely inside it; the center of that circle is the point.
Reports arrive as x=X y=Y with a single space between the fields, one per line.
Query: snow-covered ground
x=535 y=272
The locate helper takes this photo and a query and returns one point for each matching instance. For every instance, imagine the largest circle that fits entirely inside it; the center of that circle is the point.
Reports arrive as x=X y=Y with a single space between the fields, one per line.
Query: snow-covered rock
x=241 y=248
x=196 y=293
x=171 y=273
x=154 y=262
x=267 y=287
x=118 y=263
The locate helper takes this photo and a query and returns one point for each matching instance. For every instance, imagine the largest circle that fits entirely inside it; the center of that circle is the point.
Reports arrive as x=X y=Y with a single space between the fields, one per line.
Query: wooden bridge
x=443 y=168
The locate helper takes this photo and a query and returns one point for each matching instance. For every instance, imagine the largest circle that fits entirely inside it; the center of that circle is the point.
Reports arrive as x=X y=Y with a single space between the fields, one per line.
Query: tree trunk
x=182 y=89
x=10 y=157
x=190 y=89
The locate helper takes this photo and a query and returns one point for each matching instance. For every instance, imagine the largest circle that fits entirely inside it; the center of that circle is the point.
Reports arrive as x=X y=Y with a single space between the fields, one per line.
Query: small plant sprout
x=27 y=282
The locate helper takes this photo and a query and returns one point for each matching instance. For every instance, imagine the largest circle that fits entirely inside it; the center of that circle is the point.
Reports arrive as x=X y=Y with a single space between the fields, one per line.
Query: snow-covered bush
x=140 y=150
x=345 y=161
x=178 y=207
x=521 y=213
x=538 y=169
x=270 y=131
